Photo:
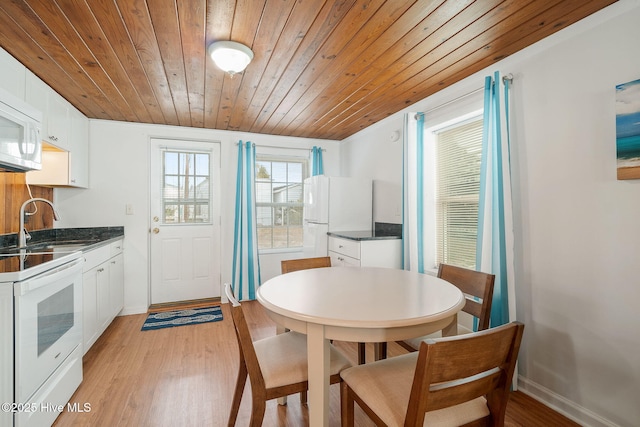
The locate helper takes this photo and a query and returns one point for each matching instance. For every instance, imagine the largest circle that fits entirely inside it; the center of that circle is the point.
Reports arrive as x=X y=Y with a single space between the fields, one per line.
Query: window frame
x=457 y=201
x=431 y=260
x=281 y=158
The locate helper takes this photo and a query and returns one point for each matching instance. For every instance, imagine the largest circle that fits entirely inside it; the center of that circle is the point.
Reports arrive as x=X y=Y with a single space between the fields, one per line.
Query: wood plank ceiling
x=322 y=69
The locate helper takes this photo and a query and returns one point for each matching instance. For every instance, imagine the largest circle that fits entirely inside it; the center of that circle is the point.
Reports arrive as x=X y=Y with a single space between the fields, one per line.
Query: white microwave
x=20 y=128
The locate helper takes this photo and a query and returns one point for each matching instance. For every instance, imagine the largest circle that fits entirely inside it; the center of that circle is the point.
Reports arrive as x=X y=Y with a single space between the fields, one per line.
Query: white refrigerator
x=334 y=203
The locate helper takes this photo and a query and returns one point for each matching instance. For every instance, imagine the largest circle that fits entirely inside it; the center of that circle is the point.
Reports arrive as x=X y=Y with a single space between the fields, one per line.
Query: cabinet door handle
x=100 y=270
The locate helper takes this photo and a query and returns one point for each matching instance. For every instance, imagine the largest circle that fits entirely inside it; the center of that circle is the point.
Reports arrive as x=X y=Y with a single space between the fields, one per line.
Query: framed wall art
x=628 y=130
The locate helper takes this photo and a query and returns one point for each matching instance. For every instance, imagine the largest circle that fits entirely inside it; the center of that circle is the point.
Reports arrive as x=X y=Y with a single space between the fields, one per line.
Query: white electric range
x=41 y=310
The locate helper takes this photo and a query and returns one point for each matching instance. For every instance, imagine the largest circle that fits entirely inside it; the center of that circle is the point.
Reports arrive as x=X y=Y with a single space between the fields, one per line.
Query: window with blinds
x=458 y=154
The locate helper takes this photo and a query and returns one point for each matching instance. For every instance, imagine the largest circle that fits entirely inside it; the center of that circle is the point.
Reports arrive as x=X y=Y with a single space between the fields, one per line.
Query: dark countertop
x=381 y=231
x=363 y=235
x=86 y=238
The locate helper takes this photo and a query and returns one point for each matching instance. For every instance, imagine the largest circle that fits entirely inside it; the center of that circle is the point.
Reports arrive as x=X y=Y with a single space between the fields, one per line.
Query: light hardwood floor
x=184 y=376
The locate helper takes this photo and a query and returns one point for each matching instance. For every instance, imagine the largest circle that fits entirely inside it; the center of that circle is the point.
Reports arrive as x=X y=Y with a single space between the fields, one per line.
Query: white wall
x=577 y=228
x=119 y=175
x=376 y=153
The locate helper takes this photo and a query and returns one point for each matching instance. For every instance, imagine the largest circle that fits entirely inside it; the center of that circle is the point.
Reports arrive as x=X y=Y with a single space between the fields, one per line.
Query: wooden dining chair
x=452 y=381
x=478 y=290
x=276 y=366
x=289 y=265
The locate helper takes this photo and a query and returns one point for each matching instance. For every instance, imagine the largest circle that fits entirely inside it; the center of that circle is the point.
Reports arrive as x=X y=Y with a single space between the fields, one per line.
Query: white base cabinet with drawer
x=365 y=253
x=103 y=290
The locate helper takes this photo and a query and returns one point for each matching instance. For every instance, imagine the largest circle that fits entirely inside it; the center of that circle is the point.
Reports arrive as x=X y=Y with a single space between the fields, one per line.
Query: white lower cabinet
x=116 y=282
x=6 y=351
x=103 y=290
x=365 y=253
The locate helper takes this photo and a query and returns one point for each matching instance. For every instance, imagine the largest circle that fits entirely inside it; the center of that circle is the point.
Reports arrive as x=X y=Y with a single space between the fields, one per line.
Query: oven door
x=48 y=320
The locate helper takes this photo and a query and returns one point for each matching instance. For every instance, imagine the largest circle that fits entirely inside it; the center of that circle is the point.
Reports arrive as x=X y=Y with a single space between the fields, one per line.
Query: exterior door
x=185 y=220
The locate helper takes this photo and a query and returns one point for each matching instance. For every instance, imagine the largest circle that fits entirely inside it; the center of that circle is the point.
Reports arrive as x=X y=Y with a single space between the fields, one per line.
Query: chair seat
x=415 y=342
x=283 y=359
x=386 y=386
x=458 y=415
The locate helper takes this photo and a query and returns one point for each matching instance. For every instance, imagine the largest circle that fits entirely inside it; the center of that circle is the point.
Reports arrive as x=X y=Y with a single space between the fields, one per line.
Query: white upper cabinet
x=12 y=75
x=37 y=94
x=58 y=123
x=78 y=149
x=55 y=111
x=65 y=130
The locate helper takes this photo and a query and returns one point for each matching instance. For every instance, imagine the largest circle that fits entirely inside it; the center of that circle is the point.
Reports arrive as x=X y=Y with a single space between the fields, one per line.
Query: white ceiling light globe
x=230 y=57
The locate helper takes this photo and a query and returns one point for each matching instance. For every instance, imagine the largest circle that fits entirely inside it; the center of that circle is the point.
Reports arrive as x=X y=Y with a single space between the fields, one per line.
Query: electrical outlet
x=129 y=209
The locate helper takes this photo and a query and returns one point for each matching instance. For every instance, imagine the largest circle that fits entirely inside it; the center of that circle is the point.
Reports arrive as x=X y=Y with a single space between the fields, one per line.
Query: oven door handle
x=24 y=287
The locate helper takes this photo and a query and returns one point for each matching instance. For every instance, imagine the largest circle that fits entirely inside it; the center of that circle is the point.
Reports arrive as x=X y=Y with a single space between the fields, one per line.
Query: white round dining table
x=357 y=304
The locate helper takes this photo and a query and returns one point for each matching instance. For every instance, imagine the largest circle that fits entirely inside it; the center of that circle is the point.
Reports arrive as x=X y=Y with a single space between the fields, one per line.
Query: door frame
x=215 y=200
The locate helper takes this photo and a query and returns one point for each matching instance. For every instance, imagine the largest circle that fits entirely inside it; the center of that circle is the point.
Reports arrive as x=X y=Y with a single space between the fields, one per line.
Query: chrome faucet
x=22 y=234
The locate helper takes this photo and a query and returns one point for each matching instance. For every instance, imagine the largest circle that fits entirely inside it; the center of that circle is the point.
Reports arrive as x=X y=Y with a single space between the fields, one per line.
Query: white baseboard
x=133 y=310
x=560 y=404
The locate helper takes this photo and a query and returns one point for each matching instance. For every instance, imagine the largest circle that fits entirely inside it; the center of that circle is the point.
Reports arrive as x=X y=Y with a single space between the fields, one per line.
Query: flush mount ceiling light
x=230 y=57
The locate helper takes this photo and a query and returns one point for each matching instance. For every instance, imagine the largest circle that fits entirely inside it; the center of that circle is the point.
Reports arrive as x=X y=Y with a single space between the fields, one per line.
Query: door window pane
x=186 y=187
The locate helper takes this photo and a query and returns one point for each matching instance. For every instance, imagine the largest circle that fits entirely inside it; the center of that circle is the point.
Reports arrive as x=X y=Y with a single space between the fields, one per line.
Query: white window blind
x=458 y=156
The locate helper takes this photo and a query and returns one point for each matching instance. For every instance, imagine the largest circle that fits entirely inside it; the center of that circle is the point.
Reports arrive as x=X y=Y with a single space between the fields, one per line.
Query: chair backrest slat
x=289 y=265
x=458 y=369
x=475 y=284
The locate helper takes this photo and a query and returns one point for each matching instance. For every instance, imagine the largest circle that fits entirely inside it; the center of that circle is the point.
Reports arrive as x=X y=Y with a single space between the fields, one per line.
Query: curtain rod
x=473 y=92
x=507 y=77
x=282 y=148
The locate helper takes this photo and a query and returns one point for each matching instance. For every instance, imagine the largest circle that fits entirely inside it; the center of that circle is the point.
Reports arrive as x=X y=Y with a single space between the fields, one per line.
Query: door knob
x=156 y=219
x=156 y=230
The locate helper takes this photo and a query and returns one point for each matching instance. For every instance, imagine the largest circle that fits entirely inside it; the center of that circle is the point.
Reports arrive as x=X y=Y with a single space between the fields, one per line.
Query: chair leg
x=237 y=394
x=258 y=407
x=380 y=350
x=303 y=397
x=361 y=354
x=346 y=406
